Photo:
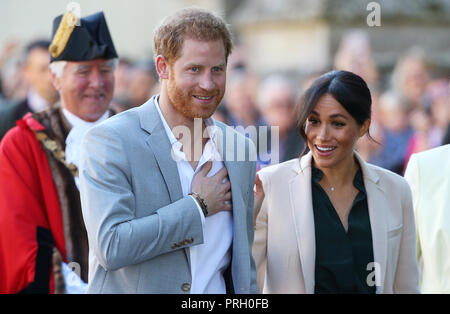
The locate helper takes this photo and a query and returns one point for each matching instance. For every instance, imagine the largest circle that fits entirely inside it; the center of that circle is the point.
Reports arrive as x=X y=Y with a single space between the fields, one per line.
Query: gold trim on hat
x=62 y=35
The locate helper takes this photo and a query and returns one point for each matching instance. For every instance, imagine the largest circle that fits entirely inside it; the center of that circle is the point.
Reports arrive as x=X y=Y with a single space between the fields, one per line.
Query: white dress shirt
x=210 y=259
x=73 y=140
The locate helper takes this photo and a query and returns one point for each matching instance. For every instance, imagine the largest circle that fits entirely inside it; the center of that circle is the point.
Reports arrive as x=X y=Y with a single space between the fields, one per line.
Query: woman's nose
x=323 y=133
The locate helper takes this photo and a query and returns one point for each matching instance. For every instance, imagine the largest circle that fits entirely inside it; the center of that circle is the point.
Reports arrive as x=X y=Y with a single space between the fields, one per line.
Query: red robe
x=30 y=212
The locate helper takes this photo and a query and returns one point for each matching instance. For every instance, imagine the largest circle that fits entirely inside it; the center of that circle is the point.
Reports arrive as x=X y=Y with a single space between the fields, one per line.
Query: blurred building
x=291 y=36
x=131 y=23
x=304 y=35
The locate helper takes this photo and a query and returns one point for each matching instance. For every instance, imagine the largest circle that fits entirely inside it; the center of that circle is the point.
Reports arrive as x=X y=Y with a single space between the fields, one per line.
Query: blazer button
x=186 y=287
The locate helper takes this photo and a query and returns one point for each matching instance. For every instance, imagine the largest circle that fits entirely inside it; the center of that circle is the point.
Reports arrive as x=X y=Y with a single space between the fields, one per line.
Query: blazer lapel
x=239 y=219
x=303 y=219
x=377 y=205
x=233 y=170
x=160 y=145
x=161 y=148
x=227 y=150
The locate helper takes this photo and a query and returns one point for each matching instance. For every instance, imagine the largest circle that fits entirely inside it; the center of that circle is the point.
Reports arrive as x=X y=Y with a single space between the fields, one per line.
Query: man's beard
x=183 y=101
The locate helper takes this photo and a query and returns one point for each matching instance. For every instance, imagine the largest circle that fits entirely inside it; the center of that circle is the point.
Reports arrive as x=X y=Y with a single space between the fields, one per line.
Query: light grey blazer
x=139 y=225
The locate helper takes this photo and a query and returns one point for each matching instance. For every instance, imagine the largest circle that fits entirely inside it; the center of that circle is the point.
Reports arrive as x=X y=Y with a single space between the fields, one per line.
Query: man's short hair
x=190 y=23
x=39 y=44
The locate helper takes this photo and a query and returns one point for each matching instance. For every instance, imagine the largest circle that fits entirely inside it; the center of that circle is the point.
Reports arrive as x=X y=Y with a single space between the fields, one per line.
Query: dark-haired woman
x=329 y=222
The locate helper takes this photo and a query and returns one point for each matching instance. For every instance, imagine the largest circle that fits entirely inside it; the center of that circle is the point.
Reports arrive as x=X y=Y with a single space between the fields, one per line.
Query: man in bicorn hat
x=41 y=224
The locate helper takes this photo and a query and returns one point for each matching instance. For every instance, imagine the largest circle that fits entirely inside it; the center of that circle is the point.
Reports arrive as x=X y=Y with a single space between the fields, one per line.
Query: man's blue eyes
x=197 y=69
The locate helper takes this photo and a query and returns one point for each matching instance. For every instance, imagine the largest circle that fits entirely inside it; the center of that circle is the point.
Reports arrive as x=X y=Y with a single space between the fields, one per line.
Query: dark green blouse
x=341 y=257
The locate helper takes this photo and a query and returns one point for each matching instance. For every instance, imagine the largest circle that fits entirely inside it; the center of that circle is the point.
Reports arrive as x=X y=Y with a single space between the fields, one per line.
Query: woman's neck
x=341 y=174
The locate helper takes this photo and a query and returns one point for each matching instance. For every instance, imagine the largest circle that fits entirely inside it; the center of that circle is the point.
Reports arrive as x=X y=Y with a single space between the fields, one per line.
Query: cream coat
x=428 y=174
x=284 y=246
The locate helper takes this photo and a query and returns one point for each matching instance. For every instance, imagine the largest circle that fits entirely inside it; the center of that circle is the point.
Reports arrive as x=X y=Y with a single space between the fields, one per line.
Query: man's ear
x=56 y=81
x=162 y=67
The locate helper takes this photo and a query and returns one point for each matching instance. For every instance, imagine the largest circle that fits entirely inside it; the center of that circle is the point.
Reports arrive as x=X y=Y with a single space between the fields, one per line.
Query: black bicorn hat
x=81 y=40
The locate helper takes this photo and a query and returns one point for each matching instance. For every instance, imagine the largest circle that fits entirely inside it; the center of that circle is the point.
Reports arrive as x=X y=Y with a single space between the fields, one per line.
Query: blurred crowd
x=410 y=105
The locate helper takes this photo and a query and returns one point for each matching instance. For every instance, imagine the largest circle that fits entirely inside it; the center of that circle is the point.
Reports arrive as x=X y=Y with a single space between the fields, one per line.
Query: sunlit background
x=402 y=51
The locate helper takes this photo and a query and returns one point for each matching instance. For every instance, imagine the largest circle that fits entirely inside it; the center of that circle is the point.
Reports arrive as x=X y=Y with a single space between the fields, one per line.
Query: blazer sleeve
x=117 y=237
x=412 y=176
x=260 y=243
x=407 y=275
